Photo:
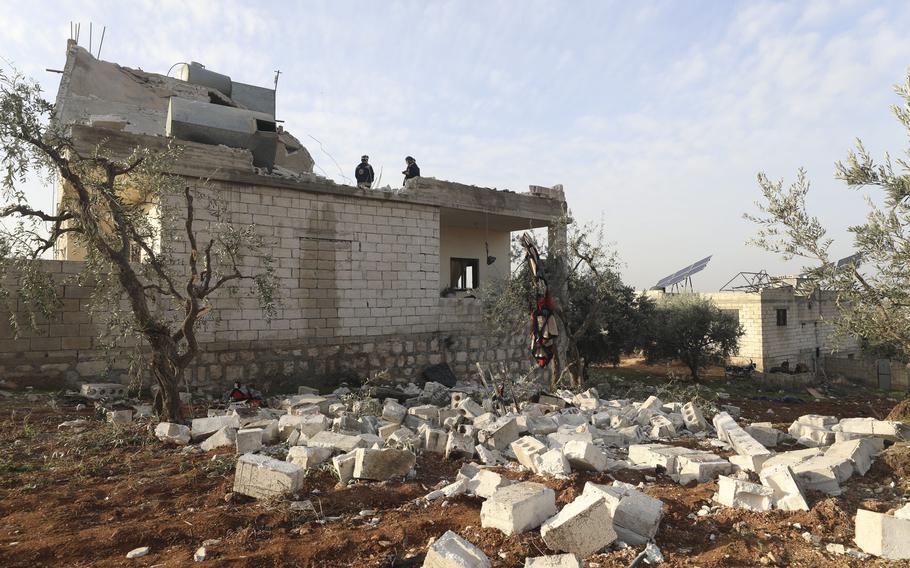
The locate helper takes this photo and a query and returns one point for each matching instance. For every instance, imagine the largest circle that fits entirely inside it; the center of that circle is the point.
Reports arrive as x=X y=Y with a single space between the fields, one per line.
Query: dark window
x=265 y=126
x=464 y=273
x=782 y=317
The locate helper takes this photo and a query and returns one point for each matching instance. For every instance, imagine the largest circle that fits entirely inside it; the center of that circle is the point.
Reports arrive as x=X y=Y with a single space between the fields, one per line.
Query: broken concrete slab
x=792 y=458
x=485 y=483
x=788 y=493
x=393 y=412
x=201 y=428
x=883 y=535
x=488 y=456
x=552 y=463
x=262 y=477
x=743 y=494
x=379 y=465
x=225 y=437
x=172 y=433
x=452 y=551
x=753 y=453
x=824 y=473
x=435 y=440
x=518 y=507
x=344 y=466
x=336 y=441
x=765 y=433
x=636 y=516
x=582 y=527
x=307 y=457
x=890 y=430
x=861 y=452
x=662 y=427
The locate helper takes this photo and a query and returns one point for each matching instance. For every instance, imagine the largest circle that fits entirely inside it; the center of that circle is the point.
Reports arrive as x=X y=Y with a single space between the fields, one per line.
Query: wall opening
x=464 y=273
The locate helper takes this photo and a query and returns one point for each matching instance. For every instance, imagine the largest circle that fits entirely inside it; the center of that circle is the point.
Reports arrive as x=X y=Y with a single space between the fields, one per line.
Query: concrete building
x=782 y=325
x=363 y=272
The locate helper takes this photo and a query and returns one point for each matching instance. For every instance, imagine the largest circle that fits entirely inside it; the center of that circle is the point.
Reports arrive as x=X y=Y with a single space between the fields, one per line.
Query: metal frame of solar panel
x=683 y=274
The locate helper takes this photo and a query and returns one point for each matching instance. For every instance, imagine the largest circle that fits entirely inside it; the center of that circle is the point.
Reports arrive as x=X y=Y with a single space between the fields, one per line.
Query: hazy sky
x=655 y=116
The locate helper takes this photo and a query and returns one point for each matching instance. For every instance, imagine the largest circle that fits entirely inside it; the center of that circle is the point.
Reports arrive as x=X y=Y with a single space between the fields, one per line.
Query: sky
x=655 y=116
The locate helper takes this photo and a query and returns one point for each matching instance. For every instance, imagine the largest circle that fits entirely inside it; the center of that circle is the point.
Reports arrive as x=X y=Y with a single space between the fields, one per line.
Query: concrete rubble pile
x=368 y=439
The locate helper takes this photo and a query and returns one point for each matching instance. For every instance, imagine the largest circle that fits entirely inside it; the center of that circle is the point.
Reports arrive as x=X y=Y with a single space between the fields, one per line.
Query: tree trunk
x=168 y=376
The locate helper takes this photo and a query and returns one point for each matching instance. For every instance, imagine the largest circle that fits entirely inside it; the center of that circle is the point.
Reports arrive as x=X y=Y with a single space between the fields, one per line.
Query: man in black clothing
x=412 y=171
x=364 y=173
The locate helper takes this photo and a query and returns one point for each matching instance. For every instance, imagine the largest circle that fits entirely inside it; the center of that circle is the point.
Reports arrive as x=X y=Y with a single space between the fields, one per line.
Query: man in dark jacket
x=364 y=173
x=412 y=171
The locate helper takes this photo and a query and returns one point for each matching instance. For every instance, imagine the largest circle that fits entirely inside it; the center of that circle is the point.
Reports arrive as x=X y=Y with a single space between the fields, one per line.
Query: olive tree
x=126 y=213
x=600 y=317
x=692 y=329
x=872 y=291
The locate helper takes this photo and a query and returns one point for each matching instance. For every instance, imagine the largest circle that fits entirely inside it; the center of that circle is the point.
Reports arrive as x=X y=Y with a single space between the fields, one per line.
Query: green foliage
x=689 y=327
x=873 y=297
x=604 y=318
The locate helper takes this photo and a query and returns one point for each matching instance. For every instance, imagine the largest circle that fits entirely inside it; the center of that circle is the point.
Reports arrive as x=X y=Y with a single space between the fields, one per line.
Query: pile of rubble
x=556 y=434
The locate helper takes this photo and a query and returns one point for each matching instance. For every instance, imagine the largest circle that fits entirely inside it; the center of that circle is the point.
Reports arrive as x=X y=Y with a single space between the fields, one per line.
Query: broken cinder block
x=452 y=551
x=519 y=507
x=743 y=494
x=582 y=527
x=262 y=477
x=887 y=536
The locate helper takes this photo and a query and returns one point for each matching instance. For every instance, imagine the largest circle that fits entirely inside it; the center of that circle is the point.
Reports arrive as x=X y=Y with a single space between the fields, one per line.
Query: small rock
x=138 y=552
x=199 y=556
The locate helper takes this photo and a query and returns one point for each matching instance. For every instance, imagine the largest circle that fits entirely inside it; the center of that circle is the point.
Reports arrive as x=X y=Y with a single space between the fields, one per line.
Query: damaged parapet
x=199 y=105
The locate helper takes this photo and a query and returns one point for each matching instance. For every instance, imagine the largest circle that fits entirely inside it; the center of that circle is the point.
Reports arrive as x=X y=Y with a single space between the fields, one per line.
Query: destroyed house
x=370 y=280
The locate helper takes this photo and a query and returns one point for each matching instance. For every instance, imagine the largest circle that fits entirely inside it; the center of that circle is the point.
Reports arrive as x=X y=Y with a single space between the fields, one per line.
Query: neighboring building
x=362 y=271
x=782 y=325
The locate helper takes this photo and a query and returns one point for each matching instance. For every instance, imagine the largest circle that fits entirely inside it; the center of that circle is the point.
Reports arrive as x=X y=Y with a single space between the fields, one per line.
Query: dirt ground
x=87 y=499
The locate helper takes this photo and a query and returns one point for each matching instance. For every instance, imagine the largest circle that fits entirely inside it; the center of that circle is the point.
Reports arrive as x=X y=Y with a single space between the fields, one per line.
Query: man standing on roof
x=412 y=171
x=364 y=173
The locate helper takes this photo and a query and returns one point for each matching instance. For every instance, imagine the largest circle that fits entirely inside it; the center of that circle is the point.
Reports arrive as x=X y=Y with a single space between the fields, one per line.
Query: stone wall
x=867 y=371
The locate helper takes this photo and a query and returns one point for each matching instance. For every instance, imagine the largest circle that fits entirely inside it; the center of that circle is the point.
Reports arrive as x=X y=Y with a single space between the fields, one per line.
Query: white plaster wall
x=463 y=242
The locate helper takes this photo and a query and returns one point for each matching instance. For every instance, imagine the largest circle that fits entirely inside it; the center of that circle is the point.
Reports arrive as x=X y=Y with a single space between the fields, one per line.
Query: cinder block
x=585 y=456
x=887 y=429
x=173 y=433
x=860 y=452
x=693 y=418
x=262 y=477
x=743 y=494
x=485 y=483
x=336 y=441
x=582 y=527
x=344 y=466
x=500 y=434
x=883 y=535
x=459 y=446
x=519 y=507
x=662 y=427
x=700 y=467
x=308 y=457
x=788 y=494
x=553 y=463
x=525 y=448
x=380 y=465
x=824 y=473
x=248 y=440
x=636 y=516
x=203 y=427
x=222 y=438
x=452 y=551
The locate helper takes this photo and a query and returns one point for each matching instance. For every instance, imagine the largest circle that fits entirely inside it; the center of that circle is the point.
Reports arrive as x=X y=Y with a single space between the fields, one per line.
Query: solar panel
x=852 y=259
x=681 y=275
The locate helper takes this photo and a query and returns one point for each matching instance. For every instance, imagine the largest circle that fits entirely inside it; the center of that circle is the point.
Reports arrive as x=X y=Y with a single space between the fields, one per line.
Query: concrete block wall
x=866 y=370
x=359 y=286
